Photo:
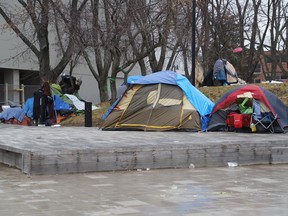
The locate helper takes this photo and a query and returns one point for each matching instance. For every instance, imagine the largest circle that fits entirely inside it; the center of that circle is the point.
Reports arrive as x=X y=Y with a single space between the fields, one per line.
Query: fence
x=16 y=93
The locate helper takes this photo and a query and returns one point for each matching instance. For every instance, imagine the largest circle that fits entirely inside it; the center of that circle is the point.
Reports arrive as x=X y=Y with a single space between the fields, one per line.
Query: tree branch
x=19 y=33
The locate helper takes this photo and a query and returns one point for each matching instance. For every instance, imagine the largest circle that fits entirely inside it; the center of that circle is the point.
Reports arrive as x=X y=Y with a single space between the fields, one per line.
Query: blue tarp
x=17 y=113
x=28 y=107
x=59 y=104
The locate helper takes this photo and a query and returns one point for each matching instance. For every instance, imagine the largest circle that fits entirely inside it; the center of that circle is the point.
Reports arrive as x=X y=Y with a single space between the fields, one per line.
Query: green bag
x=244 y=109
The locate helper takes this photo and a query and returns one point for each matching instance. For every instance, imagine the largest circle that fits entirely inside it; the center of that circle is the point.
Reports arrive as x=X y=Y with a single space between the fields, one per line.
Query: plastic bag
x=245 y=109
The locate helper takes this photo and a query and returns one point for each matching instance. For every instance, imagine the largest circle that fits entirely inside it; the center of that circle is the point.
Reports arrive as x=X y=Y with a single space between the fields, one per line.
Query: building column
x=12 y=77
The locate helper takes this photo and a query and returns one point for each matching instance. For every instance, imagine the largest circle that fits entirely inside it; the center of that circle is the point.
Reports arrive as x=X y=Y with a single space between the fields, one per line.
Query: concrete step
x=38 y=151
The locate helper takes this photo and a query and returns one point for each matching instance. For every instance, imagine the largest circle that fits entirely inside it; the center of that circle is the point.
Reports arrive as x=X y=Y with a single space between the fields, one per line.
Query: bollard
x=88 y=114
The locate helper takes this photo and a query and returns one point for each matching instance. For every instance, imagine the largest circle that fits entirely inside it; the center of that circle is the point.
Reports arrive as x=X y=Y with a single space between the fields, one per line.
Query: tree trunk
x=142 y=67
x=103 y=90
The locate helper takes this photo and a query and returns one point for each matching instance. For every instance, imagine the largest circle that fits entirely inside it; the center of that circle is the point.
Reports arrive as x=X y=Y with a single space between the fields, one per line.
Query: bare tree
x=113 y=44
x=219 y=28
x=204 y=33
x=257 y=36
x=37 y=14
x=165 y=28
x=276 y=34
x=240 y=59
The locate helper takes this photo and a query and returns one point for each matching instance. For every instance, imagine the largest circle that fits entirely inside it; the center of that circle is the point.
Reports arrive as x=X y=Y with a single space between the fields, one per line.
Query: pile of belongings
x=50 y=105
x=222 y=73
x=14 y=114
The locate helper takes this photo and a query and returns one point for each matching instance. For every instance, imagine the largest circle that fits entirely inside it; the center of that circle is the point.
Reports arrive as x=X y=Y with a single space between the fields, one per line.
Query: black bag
x=39 y=107
x=68 y=84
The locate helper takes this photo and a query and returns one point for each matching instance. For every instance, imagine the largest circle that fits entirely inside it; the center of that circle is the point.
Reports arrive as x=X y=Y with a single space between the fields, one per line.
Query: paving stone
x=202 y=190
x=250 y=190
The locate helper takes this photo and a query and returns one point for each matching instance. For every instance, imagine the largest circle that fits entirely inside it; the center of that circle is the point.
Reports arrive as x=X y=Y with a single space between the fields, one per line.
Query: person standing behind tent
x=219 y=72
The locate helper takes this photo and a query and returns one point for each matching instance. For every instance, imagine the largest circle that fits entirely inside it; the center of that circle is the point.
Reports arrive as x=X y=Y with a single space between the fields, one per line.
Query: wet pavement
x=242 y=190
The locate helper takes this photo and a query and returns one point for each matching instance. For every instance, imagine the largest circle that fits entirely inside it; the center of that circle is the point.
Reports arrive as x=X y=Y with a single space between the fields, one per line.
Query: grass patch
x=79 y=120
x=214 y=93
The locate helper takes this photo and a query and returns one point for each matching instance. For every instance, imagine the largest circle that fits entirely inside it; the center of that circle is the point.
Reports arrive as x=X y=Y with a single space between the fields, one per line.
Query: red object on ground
x=237 y=120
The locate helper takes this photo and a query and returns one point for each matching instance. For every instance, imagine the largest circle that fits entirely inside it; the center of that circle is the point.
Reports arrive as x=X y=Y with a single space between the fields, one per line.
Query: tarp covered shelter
x=263 y=106
x=50 y=104
x=160 y=101
x=230 y=75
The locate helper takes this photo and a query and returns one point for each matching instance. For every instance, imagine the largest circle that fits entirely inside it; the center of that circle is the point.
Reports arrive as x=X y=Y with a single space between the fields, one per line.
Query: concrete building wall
x=13 y=58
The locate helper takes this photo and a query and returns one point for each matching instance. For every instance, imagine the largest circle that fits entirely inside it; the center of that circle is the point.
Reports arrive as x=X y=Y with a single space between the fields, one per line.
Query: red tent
x=262 y=103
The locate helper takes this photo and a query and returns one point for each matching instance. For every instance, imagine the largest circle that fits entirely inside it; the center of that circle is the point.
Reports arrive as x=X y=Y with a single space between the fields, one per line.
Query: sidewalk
x=232 y=191
x=59 y=150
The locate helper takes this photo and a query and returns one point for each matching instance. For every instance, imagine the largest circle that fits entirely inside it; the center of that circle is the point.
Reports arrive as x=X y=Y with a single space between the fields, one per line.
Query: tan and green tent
x=158 y=102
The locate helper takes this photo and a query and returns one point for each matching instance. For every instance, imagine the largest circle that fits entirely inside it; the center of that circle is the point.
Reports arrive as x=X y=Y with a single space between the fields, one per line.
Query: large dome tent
x=159 y=101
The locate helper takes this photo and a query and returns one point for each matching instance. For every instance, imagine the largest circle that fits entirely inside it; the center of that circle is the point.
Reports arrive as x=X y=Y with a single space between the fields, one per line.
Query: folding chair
x=266 y=121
